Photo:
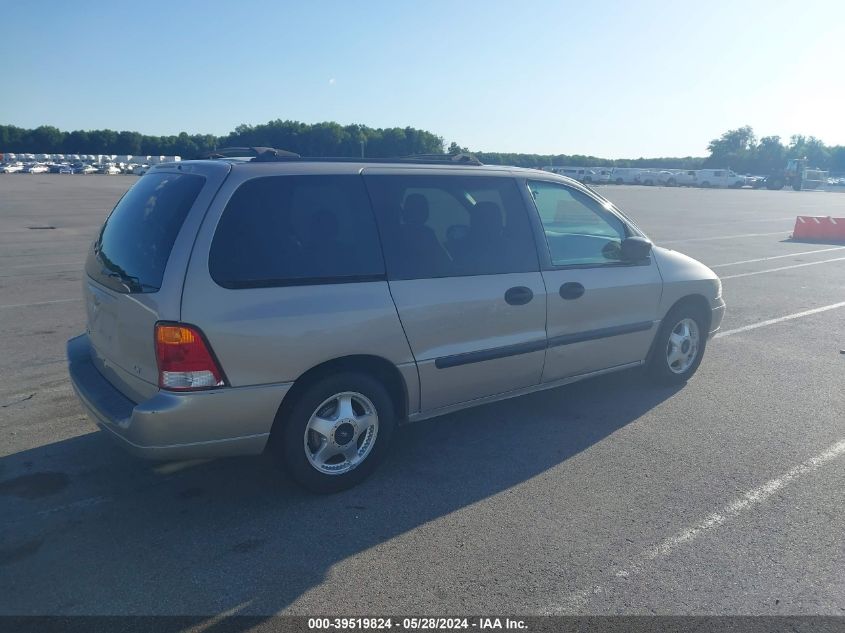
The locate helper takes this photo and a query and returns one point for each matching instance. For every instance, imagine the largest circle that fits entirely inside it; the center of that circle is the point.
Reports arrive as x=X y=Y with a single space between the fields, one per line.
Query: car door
x=602 y=312
x=464 y=274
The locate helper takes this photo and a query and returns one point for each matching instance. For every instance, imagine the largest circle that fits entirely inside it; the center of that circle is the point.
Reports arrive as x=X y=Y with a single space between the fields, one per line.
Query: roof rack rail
x=257 y=153
x=464 y=158
x=270 y=154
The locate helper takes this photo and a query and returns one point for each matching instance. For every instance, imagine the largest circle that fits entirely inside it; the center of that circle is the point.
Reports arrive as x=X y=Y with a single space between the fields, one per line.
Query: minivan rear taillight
x=185 y=361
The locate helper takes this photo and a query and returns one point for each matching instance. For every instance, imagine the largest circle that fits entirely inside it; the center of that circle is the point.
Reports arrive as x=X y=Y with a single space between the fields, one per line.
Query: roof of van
x=333 y=165
x=271 y=161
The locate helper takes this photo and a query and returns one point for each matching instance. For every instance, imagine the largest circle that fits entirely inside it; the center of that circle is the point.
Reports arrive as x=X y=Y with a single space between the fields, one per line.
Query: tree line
x=320 y=139
x=738 y=149
x=575 y=160
x=741 y=151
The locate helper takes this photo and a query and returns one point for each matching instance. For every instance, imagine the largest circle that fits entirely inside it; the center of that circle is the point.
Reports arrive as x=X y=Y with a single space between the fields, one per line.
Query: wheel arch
x=696 y=301
x=375 y=366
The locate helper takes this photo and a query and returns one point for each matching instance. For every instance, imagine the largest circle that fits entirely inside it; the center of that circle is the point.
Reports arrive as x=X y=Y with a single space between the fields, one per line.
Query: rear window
x=131 y=252
x=296 y=230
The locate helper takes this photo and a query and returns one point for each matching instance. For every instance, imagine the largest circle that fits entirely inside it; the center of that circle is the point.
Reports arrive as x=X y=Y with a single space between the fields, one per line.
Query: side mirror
x=635 y=249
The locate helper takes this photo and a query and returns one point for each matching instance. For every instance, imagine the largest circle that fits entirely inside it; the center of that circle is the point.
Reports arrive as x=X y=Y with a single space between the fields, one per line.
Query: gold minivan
x=307 y=306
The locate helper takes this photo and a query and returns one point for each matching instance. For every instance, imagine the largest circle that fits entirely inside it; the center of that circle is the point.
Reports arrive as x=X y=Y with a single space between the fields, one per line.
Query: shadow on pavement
x=86 y=529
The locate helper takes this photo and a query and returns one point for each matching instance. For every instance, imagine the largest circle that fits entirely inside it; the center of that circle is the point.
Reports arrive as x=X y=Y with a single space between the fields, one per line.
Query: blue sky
x=613 y=79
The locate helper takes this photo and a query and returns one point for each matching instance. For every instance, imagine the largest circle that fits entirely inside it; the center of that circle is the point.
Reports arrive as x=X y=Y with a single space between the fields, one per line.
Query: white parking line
x=38 y=303
x=720 y=237
x=774 y=270
x=788 y=317
x=765 y=259
x=747 y=220
x=578 y=601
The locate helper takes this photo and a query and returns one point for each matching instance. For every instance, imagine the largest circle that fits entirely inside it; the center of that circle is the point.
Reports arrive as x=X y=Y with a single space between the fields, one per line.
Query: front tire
x=679 y=345
x=336 y=433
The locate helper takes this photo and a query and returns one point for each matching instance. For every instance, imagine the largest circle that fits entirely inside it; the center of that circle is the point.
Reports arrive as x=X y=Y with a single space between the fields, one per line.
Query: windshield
x=131 y=252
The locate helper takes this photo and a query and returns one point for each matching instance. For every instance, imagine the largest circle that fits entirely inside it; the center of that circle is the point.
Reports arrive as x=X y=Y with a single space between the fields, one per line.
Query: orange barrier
x=811 y=227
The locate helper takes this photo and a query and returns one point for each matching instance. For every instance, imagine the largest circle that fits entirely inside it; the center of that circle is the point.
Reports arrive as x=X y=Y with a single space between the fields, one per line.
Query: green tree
x=455 y=149
x=735 y=149
x=46 y=139
x=771 y=155
x=837 y=159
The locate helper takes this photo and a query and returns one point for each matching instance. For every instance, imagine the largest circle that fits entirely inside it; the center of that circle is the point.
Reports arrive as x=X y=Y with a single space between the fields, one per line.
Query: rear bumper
x=716 y=316
x=176 y=426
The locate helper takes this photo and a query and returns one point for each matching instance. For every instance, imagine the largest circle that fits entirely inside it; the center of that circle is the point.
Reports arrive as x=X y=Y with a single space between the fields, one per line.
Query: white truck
x=626 y=175
x=719 y=178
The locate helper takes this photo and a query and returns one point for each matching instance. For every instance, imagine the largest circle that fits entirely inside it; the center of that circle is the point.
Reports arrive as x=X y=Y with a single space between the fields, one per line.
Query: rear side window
x=131 y=252
x=296 y=230
x=452 y=226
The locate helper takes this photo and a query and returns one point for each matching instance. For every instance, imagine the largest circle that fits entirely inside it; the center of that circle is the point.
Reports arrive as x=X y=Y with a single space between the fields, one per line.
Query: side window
x=282 y=230
x=452 y=226
x=579 y=230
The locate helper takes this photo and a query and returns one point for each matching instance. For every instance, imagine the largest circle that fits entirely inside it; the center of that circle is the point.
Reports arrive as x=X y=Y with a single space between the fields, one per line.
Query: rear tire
x=679 y=345
x=336 y=433
x=705 y=184
x=619 y=181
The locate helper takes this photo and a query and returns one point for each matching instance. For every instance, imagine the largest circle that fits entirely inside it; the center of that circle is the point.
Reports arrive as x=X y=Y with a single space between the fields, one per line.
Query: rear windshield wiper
x=131 y=283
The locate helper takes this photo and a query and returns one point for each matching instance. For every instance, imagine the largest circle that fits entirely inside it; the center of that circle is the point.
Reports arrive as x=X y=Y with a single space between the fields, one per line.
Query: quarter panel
x=270 y=335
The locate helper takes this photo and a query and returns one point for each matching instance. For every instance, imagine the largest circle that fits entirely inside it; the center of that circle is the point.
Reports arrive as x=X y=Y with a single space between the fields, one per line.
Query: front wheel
x=679 y=346
x=336 y=433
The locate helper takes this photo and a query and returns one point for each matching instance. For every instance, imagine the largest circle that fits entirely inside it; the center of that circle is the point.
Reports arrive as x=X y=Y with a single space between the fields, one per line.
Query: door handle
x=519 y=295
x=571 y=290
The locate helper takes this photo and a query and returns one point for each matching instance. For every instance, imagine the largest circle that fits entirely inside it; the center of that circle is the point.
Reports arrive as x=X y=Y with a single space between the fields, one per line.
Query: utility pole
x=362 y=148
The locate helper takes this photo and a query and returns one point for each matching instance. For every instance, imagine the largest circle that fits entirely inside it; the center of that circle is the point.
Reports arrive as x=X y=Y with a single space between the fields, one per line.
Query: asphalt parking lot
x=609 y=496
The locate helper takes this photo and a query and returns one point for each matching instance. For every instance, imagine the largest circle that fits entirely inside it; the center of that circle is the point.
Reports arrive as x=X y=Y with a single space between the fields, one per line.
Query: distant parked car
x=11 y=168
x=576 y=173
x=599 y=175
x=140 y=170
x=625 y=175
x=85 y=169
x=65 y=169
x=667 y=178
x=109 y=169
x=651 y=177
x=685 y=178
x=719 y=178
x=37 y=168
